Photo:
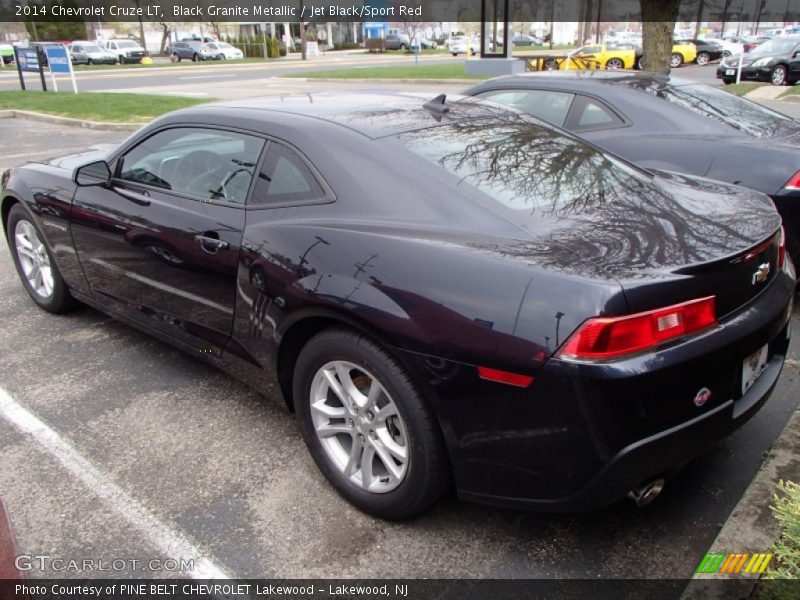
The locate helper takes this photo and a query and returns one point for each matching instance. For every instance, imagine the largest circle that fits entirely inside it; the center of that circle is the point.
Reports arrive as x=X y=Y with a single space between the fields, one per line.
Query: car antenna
x=437 y=106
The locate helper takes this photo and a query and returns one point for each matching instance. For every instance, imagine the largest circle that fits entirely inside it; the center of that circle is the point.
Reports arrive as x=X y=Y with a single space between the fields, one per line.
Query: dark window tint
x=589 y=114
x=285 y=178
x=722 y=106
x=548 y=105
x=205 y=163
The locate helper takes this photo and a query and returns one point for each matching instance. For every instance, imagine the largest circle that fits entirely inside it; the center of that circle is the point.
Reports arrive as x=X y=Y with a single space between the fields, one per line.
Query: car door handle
x=210 y=243
x=140 y=198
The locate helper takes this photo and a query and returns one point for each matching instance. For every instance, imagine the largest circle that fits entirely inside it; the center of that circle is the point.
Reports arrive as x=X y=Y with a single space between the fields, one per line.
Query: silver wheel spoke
x=354 y=460
x=334 y=384
x=331 y=412
x=367 y=456
x=385 y=457
x=333 y=429
x=395 y=449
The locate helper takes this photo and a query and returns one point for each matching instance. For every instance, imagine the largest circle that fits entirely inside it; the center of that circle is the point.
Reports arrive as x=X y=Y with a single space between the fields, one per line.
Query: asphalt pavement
x=135 y=451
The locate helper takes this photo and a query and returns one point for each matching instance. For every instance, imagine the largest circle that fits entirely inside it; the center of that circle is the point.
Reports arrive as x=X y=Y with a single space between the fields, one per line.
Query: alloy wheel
x=615 y=63
x=675 y=61
x=778 y=76
x=359 y=426
x=702 y=59
x=34 y=259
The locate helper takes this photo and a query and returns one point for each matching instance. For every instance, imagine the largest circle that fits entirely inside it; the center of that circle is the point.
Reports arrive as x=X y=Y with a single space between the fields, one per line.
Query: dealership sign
x=58 y=59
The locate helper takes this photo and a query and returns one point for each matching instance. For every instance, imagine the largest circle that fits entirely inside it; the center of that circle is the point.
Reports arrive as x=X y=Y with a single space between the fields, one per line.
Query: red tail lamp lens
x=604 y=338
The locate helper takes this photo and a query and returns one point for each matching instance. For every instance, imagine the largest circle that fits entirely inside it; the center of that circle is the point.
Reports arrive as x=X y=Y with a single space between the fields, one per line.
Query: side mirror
x=96 y=173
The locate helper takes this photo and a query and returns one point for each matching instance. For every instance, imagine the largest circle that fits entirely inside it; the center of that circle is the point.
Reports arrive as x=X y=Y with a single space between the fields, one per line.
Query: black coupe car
x=664 y=122
x=776 y=60
x=444 y=291
x=707 y=50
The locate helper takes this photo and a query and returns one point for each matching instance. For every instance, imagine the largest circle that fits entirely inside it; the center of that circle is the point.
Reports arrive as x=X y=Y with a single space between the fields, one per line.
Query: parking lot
x=137 y=451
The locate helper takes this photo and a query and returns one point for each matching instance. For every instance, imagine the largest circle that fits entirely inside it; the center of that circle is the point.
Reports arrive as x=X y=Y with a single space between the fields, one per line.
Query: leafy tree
x=52 y=29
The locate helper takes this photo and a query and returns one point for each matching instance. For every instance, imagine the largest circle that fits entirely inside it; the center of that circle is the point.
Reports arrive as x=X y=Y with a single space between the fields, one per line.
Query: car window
x=285 y=178
x=739 y=113
x=77 y=48
x=548 y=105
x=589 y=114
x=208 y=164
x=589 y=50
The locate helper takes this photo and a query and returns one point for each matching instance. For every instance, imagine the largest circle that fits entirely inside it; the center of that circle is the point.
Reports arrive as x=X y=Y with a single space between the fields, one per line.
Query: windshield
x=776 y=46
x=741 y=114
x=127 y=44
x=526 y=166
x=225 y=45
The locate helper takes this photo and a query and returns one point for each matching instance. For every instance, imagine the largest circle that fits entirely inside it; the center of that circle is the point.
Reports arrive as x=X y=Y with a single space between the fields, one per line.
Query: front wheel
x=675 y=61
x=194 y=57
x=89 y=62
x=703 y=58
x=778 y=76
x=368 y=428
x=727 y=80
x=36 y=268
x=615 y=63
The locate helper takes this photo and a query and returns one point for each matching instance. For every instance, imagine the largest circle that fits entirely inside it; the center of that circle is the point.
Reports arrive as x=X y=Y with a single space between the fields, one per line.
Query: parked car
x=729 y=48
x=458 y=45
x=89 y=53
x=424 y=43
x=747 y=43
x=7 y=53
x=663 y=122
x=557 y=329
x=776 y=61
x=193 y=50
x=398 y=41
x=599 y=56
x=223 y=51
x=521 y=39
x=127 y=51
x=707 y=50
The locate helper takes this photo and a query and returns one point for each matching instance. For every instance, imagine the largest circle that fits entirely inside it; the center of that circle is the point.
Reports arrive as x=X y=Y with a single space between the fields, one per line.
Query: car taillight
x=793 y=183
x=782 y=249
x=606 y=338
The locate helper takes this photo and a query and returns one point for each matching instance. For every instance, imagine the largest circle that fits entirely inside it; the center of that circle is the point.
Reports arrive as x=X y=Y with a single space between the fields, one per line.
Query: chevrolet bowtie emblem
x=761 y=274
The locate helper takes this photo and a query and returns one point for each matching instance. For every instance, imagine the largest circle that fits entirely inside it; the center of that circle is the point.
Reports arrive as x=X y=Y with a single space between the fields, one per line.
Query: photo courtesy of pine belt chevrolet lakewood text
x=449 y=293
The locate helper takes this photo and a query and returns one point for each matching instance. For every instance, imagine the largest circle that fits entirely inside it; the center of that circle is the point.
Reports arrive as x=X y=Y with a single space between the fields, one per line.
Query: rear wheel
x=36 y=268
x=778 y=75
x=615 y=63
x=368 y=428
x=122 y=60
x=703 y=58
x=89 y=62
x=194 y=57
x=676 y=60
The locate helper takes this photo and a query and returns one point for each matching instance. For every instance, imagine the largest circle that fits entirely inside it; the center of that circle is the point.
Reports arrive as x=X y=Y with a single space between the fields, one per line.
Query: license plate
x=752 y=368
x=730 y=71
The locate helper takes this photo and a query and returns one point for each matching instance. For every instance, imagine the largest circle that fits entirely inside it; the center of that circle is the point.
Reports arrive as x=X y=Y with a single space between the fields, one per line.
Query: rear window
x=525 y=166
x=741 y=114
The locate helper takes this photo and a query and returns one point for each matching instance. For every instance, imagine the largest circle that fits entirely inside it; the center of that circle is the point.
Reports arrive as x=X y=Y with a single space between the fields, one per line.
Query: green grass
x=740 y=89
x=786 y=510
x=792 y=91
x=449 y=71
x=120 y=108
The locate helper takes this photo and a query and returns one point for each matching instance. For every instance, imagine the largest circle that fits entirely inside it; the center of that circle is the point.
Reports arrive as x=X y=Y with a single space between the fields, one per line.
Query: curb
x=751 y=527
x=69 y=121
x=387 y=80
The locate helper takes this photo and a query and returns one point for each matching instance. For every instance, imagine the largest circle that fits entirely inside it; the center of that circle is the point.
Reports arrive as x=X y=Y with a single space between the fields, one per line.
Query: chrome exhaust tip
x=646 y=493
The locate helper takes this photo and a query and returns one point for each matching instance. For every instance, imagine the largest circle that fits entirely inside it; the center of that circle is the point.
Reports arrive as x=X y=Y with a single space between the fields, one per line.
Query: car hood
x=91 y=154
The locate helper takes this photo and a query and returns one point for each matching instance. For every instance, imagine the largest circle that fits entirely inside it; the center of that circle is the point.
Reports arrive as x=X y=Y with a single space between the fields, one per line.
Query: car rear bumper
x=582 y=435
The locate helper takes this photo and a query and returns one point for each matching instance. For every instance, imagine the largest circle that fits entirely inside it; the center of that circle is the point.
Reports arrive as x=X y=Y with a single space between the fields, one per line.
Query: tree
x=51 y=29
x=658 y=23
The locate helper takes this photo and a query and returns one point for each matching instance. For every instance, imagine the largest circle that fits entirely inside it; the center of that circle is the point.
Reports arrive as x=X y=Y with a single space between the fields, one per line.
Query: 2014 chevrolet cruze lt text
x=446 y=292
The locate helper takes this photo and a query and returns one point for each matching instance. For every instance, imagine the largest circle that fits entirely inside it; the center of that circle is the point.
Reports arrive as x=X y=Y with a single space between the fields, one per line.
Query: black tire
x=779 y=75
x=427 y=474
x=194 y=57
x=703 y=58
x=727 y=80
x=180 y=58
x=615 y=63
x=89 y=62
x=676 y=60
x=121 y=60
x=403 y=47
x=59 y=300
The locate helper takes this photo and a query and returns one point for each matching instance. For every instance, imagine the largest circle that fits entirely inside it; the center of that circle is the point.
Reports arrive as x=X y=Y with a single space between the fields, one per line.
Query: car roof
x=372 y=114
x=590 y=79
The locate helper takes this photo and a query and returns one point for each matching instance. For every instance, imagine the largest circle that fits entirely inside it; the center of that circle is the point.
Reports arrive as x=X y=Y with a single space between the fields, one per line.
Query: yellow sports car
x=622 y=56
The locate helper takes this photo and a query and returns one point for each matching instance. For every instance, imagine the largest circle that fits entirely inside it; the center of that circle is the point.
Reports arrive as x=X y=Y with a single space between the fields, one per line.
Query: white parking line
x=171 y=542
